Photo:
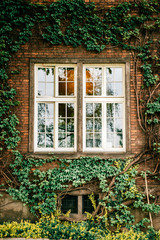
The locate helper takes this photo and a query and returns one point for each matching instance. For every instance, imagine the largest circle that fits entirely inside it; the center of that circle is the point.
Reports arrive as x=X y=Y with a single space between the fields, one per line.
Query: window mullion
x=103 y=125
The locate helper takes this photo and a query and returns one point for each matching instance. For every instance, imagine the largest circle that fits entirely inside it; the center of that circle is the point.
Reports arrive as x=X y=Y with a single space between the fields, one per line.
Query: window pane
x=118 y=74
x=109 y=74
x=97 y=125
x=110 y=125
x=49 y=125
x=89 y=110
x=62 y=110
x=49 y=89
x=98 y=140
x=66 y=125
x=50 y=75
x=45 y=81
x=118 y=110
x=45 y=125
x=41 y=125
x=89 y=125
x=70 y=110
x=70 y=140
x=87 y=204
x=89 y=140
x=49 y=140
x=110 y=140
x=41 y=89
x=62 y=125
x=62 y=88
x=118 y=89
x=70 y=88
x=69 y=203
x=41 y=74
x=41 y=140
x=62 y=140
x=110 y=109
x=94 y=81
x=97 y=109
x=61 y=74
x=70 y=125
x=110 y=89
x=41 y=109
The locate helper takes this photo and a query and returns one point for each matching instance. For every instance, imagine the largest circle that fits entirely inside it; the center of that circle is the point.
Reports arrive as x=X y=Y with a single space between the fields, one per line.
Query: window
x=78 y=205
x=104 y=108
x=79 y=107
x=55 y=113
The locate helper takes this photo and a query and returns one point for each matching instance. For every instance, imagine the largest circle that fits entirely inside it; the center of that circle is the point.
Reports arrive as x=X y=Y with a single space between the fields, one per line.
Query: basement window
x=78 y=205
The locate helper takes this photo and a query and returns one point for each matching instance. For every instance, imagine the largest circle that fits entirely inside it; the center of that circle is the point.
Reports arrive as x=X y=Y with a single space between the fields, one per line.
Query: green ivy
x=130 y=26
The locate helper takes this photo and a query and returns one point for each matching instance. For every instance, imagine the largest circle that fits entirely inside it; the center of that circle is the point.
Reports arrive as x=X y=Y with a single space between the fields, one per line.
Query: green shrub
x=52 y=228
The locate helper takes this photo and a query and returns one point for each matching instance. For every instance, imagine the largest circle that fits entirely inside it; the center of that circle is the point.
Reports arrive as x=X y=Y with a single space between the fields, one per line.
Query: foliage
x=41 y=190
x=52 y=228
x=132 y=26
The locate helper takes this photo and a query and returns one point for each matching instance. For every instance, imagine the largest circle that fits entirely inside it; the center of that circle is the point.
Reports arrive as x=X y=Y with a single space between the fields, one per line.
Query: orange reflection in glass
x=89 y=83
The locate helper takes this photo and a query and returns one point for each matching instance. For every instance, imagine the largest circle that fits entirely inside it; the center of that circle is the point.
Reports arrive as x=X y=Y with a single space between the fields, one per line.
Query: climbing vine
x=132 y=26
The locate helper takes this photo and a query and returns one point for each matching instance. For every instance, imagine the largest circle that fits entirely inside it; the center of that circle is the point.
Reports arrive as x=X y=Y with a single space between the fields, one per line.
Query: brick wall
x=38 y=48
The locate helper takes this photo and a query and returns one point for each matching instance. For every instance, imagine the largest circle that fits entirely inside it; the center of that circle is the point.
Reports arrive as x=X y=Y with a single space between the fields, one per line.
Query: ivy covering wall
x=132 y=26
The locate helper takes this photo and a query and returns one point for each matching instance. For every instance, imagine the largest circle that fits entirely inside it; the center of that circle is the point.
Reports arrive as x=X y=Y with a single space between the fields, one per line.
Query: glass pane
x=89 y=125
x=41 y=74
x=97 y=88
x=41 y=89
x=49 y=140
x=118 y=89
x=110 y=89
x=49 y=89
x=62 y=125
x=62 y=110
x=62 y=140
x=98 y=140
x=118 y=140
x=62 y=88
x=118 y=125
x=70 y=74
x=89 y=140
x=110 y=109
x=89 y=88
x=70 y=110
x=70 y=88
x=41 y=125
x=89 y=110
x=110 y=125
x=118 y=110
x=61 y=74
x=41 y=140
x=50 y=75
x=70 y=140
x=70 y=125
x=89 y=77
x=97 y=110
x=118 y=74
x=49 y=125
x=110 y=140
x=109 y=74
x=97 y=125
x=69 y=203
x=49 y=110
x=41 y=110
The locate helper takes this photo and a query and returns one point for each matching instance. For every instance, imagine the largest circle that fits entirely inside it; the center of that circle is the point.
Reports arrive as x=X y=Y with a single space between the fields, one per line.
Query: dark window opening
x=87 y=204
x=69 y=203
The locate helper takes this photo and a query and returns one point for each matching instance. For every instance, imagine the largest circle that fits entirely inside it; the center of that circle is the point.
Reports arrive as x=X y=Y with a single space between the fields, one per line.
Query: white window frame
x=104 y=100
x=55 y=100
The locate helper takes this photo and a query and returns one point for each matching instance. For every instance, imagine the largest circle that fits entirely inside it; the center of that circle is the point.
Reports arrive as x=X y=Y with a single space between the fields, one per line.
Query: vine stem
x=147 y=193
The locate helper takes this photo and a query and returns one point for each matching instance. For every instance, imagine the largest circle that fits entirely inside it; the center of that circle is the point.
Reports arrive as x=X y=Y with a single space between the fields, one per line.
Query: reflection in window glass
x=93 y=125
x=45 y=125
x=66 y=125
x=45 y=81
x=114 y=122
x=65 y=81
x=94 y=81
x=114 y=86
